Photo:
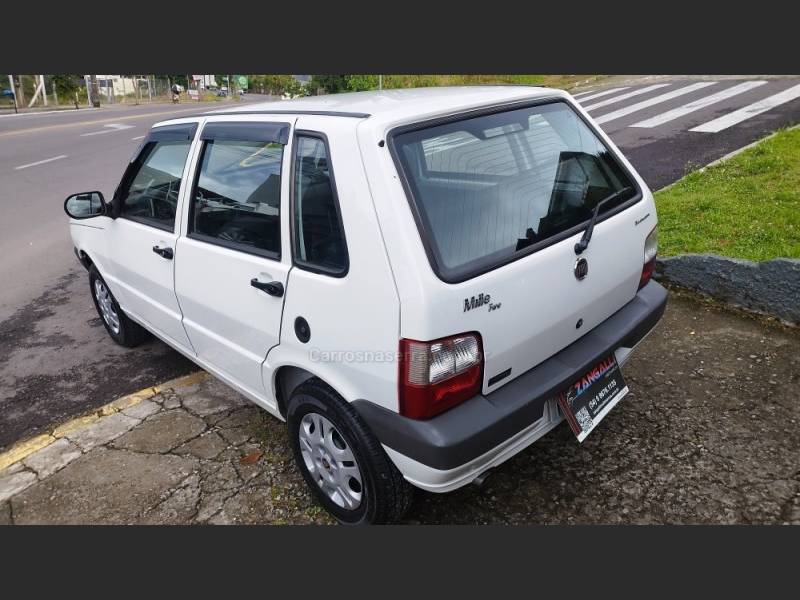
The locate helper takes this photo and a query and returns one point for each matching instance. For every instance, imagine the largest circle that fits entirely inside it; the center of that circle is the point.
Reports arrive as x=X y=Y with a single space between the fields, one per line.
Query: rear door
x=233 y=258
x=142 y=237
x=500 y=201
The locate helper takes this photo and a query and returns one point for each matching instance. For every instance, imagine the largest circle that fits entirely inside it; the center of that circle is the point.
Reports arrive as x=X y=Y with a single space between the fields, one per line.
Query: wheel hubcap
x=106 y=305
x=330 y=461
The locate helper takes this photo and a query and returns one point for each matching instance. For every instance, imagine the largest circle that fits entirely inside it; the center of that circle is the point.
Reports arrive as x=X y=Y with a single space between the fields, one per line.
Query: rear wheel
x=341 y=460
x=121 y=329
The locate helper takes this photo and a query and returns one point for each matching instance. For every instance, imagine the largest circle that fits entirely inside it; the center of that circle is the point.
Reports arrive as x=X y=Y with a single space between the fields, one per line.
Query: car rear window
x=492 y=188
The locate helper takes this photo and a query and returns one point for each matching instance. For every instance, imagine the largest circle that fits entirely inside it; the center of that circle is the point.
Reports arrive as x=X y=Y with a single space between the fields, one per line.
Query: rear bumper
x=487 y=429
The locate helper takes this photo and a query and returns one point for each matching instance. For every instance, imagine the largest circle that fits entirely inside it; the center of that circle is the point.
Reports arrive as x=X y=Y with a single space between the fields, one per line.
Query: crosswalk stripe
x=643 y=90
x=751 y=110
x=592 y=96
x=676 y=113
x=632 y=108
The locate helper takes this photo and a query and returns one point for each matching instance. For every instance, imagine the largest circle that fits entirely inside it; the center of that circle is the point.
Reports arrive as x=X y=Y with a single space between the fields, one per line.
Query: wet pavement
x=57 y=361
x=708 y=434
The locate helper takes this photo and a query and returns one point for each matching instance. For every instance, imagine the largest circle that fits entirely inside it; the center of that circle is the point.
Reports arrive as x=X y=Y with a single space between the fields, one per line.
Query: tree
x=332 y=84
x=67 y=85
x=360 y=83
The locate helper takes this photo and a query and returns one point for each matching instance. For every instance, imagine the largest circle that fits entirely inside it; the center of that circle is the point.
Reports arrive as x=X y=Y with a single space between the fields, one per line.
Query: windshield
x=489 y=188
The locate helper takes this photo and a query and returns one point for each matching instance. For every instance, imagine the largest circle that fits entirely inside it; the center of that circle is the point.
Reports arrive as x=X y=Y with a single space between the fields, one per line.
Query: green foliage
x=275 y=84
x=354 y=83
x=67 y=85
x=331 y=84
x=745 y=207
x=360 y=83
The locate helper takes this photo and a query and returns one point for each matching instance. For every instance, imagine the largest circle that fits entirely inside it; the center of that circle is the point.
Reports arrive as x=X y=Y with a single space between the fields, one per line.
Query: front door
x=232 y=272
x=141 y=255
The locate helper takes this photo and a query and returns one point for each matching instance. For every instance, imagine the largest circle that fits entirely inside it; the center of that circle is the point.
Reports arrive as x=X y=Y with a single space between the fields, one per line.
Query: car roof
x=387 y=108
x=399 y=104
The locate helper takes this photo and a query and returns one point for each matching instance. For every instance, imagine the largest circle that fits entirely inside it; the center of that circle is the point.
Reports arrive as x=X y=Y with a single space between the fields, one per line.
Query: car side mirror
x=85 y=205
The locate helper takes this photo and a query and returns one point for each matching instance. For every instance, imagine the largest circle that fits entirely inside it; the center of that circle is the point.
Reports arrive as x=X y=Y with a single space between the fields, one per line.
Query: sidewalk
x=708 y=434
x=188 y=451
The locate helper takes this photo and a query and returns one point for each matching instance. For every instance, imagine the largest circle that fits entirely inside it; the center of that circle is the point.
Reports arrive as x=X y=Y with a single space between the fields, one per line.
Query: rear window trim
x=296 y=261
x=487 y=263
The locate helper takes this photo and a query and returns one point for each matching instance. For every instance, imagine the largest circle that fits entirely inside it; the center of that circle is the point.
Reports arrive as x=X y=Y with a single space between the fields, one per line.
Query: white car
x=421 y=283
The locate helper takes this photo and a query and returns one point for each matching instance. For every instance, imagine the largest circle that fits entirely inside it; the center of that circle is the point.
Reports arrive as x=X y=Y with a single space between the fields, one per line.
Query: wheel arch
x=287 y=379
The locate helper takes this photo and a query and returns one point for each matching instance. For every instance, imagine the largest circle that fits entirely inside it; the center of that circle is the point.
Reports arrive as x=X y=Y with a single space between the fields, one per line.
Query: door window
x=319 y=242
x=236 y=199
x=151 y=193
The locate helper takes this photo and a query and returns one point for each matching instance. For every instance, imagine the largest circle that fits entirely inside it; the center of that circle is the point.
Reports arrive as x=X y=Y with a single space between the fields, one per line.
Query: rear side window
x=491 y=188
x=236 y=199
x=319 y=242
x=151 y=196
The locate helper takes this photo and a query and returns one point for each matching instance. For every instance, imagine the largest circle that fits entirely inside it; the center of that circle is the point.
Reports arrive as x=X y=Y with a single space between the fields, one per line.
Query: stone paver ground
x=709 y=434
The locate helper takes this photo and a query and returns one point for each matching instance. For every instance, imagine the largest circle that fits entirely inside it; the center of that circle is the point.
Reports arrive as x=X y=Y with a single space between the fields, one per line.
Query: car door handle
x=273 y=288
x=164 y=252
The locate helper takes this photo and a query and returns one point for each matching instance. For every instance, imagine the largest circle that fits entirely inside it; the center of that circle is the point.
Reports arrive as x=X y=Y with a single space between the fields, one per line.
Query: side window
x=151 y=195
x=237 y=196
x=319 y=242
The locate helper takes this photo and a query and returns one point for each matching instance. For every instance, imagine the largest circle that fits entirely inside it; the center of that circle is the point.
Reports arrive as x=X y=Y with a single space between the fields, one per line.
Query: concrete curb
x=21 y=450
x=767 y=288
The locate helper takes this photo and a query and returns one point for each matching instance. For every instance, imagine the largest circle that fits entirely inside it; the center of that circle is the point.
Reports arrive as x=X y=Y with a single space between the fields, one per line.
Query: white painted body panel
x=354 y=320
x=231 y=324
x=542 y=300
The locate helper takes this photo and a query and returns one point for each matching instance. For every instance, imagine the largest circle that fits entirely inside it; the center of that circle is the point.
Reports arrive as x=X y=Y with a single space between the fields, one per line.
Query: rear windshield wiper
x=587 y=235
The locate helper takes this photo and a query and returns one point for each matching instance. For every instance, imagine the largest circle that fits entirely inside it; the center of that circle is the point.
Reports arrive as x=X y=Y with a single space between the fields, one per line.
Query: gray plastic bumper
x=481 y=423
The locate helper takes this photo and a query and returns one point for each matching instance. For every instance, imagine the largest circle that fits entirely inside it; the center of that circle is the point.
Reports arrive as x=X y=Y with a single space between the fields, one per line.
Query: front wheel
x=341 y=460
x=118 y=325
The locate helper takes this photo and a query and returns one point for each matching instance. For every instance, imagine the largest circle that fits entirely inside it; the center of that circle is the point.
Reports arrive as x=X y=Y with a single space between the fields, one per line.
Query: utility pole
x=149 y=90
x=13 y=91
x=380 y=82
x=21 y=95
x=55 y=91
x=94 y=98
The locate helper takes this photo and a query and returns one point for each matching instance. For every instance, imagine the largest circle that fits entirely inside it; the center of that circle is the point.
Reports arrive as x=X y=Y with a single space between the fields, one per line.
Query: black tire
x=385 y=494
x=129 y=333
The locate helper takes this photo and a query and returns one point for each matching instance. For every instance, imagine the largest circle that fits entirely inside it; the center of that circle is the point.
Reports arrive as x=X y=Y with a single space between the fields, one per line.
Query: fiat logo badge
x=581 y=268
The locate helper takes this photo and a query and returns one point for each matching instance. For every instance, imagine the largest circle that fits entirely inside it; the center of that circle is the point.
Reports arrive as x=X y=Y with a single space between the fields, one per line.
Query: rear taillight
x=435 y=376
x=650 y=251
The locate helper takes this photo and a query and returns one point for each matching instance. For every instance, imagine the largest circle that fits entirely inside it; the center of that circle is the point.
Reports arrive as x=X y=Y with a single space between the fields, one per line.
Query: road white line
x=748 y=111
x=68 y=111
x=108 y=129
x=600 y=94
x=676 y=113
x=138 y=137
x=632 y=108
x=643 y=90
x=40 y=162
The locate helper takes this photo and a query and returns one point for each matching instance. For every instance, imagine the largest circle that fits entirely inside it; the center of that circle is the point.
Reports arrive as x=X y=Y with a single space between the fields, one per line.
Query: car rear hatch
x=501 y=199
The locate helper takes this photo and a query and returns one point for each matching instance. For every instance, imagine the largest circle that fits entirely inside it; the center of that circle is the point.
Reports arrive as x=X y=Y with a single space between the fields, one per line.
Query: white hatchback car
x=420 y=282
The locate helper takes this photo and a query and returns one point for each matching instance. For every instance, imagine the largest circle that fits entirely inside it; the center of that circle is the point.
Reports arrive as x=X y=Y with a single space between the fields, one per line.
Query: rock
x=771 y=287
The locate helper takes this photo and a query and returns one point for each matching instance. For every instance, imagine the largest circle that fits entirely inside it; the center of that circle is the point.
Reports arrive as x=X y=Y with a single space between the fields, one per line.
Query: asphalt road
x=55 y=359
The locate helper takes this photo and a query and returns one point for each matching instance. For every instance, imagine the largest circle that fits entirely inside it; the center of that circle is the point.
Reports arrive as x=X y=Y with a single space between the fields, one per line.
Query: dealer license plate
x=587 y=401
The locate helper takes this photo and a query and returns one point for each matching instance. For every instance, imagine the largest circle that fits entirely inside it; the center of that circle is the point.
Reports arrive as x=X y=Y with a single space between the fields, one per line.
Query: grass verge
x=744 y=207
x=555 y=81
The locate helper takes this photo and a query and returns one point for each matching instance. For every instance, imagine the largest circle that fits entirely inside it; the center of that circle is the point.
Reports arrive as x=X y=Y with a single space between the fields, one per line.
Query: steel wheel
x=106 y=305
x=330 y=461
